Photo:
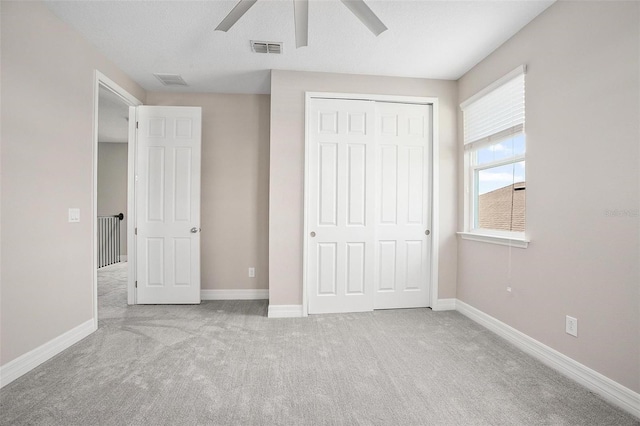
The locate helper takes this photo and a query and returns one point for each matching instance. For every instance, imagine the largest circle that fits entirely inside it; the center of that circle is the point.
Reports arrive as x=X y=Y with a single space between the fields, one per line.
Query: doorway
x=113 y=195
x=113 y=139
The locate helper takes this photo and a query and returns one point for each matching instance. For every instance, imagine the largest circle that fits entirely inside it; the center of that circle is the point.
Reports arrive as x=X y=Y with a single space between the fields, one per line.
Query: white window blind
x=496 y=111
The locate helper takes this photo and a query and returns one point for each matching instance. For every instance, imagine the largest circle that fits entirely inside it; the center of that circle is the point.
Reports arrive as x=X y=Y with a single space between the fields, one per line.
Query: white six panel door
x=402 y=206
x=168 y=205
x=340 y=244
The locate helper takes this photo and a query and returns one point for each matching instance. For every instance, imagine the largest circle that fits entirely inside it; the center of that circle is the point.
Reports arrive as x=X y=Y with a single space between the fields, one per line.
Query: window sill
x=495 y=239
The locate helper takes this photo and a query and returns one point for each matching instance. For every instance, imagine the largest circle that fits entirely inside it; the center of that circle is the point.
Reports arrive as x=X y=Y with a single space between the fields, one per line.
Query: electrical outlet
x=572 y=326
x=252 y=272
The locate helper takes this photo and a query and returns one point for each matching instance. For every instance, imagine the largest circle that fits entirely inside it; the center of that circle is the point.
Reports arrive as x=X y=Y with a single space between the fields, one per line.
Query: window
x=494 y=151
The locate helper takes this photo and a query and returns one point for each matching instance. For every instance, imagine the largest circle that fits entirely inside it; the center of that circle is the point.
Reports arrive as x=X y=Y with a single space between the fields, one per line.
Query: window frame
x=472 y=168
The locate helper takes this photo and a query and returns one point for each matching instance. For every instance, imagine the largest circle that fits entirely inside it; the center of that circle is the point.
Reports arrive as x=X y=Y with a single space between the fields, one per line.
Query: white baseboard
x=611 y=391
x=444 y=305
x=27 y=362
x=285 y=311
x=241 y=294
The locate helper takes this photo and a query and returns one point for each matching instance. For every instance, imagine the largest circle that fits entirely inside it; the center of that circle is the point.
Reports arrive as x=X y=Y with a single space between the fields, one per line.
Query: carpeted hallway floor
x=225 y=363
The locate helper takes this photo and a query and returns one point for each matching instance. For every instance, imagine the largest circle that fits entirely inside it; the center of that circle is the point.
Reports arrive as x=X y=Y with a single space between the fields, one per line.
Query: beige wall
x=287 y=169
x=235 y=186
x=47 y=132
x=582 y=106
x=113 y=159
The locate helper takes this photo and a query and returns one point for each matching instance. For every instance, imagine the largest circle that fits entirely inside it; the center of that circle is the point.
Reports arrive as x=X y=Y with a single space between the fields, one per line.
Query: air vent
x=171 y=79
x=266 y=47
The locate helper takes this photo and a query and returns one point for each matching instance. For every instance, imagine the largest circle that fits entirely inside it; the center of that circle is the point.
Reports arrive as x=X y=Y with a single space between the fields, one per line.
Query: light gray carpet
x=225 y=363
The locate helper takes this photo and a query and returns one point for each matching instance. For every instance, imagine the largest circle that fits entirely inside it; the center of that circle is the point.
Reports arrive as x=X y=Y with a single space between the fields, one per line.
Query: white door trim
x=102 y=80
x=435 y=196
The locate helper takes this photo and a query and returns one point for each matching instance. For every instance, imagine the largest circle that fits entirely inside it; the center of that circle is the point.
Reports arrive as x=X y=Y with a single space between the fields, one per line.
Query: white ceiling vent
x=171 y=79
x=266 y=47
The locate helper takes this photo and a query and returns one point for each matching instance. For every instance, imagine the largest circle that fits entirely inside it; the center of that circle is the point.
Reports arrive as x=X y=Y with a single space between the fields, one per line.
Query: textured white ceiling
x=428 y=39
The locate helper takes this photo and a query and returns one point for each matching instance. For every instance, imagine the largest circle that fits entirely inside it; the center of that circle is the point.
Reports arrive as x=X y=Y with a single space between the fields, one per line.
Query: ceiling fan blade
x=235 y=14
x=365 y=15
x=301 y=17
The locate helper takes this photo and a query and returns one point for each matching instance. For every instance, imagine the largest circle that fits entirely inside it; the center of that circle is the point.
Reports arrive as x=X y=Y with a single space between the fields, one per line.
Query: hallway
x=112 y=292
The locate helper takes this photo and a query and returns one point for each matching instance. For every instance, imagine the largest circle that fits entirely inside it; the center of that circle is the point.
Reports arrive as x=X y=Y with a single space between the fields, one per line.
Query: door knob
x=313 y=234
x=195 y=230
x=427 y=232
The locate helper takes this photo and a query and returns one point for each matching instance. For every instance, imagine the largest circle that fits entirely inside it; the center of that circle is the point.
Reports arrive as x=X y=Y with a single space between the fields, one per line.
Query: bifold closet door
x=340 y=216
x=402 y=222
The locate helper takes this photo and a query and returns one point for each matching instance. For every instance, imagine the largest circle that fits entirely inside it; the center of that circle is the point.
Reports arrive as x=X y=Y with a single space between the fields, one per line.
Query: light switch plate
x=74 y=215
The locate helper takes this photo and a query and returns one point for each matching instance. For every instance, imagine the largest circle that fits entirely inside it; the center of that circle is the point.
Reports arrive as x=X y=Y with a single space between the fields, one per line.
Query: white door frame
x=101 y=80
x=433 y=291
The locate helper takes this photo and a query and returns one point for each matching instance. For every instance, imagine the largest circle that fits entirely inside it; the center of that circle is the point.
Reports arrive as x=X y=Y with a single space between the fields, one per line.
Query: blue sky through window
x=498 y=177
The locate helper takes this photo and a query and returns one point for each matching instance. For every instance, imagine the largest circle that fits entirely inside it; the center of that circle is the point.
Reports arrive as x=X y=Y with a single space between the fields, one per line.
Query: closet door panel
x=403 y=202
x=340 y=222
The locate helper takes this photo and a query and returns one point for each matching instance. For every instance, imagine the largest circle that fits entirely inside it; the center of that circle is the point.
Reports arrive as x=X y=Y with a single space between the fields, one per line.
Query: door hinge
x=136 y=284
x=136 y=231
x=137 y=124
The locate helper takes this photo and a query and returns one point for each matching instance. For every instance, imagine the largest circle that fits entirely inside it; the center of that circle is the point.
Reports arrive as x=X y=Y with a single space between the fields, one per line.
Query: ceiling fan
x=301 y=17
